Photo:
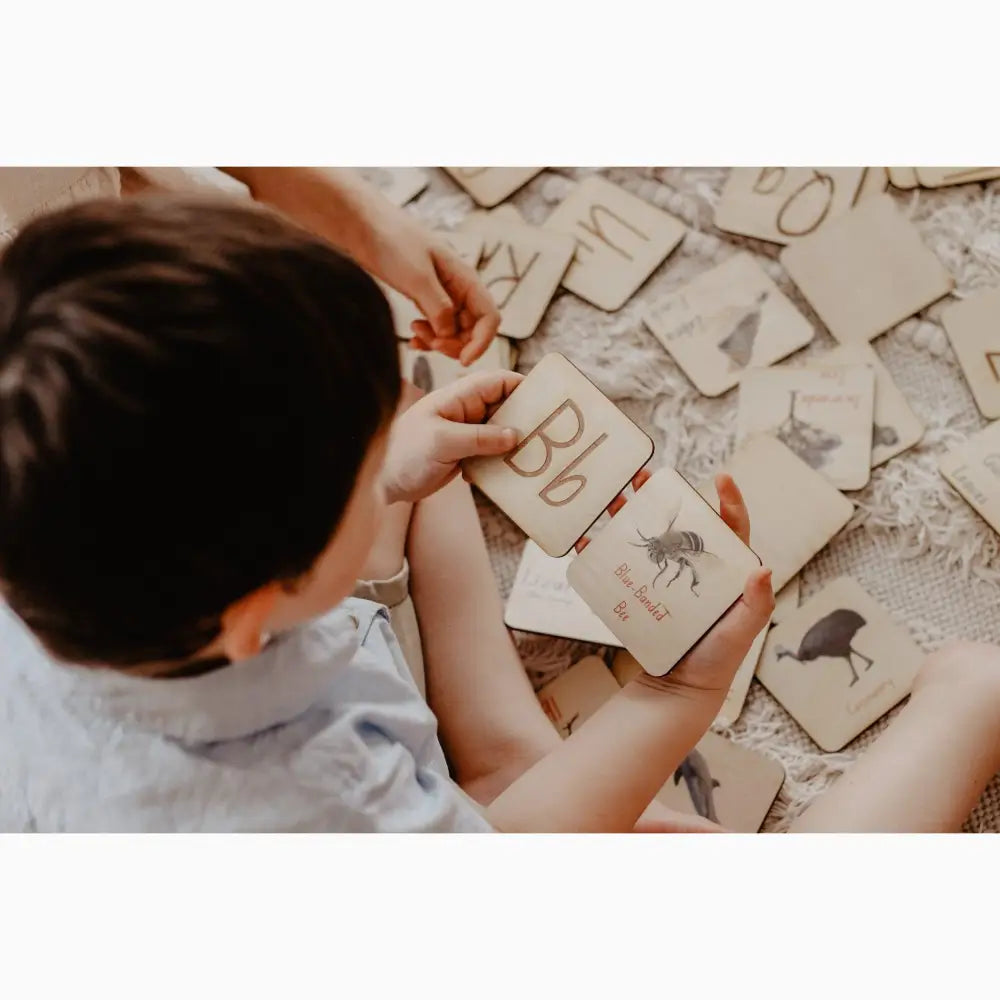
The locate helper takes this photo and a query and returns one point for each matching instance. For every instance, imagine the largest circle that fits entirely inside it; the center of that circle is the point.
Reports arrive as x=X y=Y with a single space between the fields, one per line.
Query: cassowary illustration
x=422 y=377
x=738 y=343
x=700 y=784
x=833 y=635
x=812 y=444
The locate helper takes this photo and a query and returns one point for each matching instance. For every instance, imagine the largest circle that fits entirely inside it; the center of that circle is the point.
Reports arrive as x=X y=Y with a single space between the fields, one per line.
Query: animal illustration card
x=786 y=600
x=904 y=178
x=521 y=266
x=933 y=177
x=398 y=184
x=726 y=783
x=783 y=204
x=491 y=185
x=794 y=511
x=823 y=414
x=726 y=321
x=620 y=240
x=430 y=370
x=573 y=697
x=575 y=452
x=973 y=468
x=866 y=271
x=897 y=427
x=839 y=663
x=662 y=571
x=541 y=600
x=973 y=327
x=736 y=696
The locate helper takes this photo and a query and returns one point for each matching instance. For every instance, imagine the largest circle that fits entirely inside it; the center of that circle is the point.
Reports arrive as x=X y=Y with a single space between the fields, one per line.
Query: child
x=196 y=447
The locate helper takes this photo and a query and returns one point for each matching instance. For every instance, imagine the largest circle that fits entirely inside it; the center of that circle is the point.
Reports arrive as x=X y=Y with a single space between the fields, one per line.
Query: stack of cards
x=973 y=468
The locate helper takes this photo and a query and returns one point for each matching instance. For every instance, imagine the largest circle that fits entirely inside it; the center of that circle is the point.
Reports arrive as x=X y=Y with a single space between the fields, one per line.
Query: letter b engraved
x=550 y=443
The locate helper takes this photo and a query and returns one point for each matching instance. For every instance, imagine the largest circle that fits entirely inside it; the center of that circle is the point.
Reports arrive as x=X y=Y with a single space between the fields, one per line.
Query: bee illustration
x=812 y=444
x=674 y=547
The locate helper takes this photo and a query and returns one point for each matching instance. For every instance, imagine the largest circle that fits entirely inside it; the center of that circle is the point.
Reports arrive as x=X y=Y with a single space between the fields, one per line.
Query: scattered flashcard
x=823 y=414
x=521 y=266
x=663 y=571
x=620 y=240
x=839 y=663
x=783 y=204
x=573 y=697
x=794 y=511
x=874 y=181
x=897 y=427
x=468 y=246
x=542 y=601
x=430 y=370
x=786 y=600
x=491 y=185
x=736 y=696
x=576 y=451
x=973 y=327
x=725 y=783
x=502 y=213
x=398 y=184
x=866 y=271
x=973 y=468
x=933 y=177
x=903 y=178
x=726 y=321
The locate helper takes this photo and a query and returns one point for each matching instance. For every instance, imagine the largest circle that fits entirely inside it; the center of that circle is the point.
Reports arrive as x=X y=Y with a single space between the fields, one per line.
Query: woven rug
x=913 y=543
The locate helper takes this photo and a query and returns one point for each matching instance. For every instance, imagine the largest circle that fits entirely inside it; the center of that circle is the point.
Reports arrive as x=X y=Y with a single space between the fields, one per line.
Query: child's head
x=193 y=400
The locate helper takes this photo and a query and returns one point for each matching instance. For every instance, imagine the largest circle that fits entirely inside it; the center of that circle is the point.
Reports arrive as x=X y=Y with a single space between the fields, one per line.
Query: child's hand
x=430 y=439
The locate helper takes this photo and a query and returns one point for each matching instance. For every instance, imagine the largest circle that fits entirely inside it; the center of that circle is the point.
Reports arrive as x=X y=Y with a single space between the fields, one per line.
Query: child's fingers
x=743 y=622
x=731 y=506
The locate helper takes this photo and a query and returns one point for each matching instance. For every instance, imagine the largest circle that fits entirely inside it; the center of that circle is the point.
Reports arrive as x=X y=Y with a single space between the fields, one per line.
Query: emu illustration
x=833 y=635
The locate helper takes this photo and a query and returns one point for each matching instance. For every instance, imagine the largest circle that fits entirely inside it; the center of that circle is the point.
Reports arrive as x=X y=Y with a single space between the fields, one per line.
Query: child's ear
x=244 y=623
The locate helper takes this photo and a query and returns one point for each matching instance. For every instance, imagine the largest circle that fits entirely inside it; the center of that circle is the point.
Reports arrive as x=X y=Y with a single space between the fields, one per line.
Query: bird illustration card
x=897 y=427
x=973 y=327
x=824 y=414
x=725 y=783
x=784 y=204
x=430 y=370
x=398 y=184
x=521 y=267
x=542 y=601
x=736 y=696
x=904 y=178
x=491 y=185
x=934 y=177
x=726 y=321
x=575 y=452
x=866 y=271
x=794 y=511
x=839 y=663
x=620 y=240
x=786 y=600
x=973 y=468
x=574 y=696
x=663 y=571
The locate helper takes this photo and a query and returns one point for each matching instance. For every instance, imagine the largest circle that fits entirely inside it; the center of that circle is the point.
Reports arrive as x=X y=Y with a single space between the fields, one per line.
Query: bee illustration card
x=398 y=184
x=542 y=601
x=866 y=271
x=662 y=571
x=933 y=177
x=430 y=370
x=897 y=427
x=973 y=327
x=786 y=600
x=973 y=468
x=620 y=240
x=726 y=321
x=783 y=204
x=491 y=185
x=725 y=783
x=839 y=663
x=794 y=511
x=575 y=452
x=573 y=697
x=823 y=414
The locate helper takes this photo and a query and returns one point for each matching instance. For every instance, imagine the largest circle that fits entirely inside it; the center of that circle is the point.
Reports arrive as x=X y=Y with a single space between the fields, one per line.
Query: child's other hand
x=431 y=438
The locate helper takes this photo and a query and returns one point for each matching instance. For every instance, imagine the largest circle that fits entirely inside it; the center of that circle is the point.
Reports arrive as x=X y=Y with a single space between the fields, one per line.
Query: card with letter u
x=663 y=571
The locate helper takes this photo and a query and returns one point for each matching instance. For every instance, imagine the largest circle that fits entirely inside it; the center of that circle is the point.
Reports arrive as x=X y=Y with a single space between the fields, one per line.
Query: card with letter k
x=576 y=450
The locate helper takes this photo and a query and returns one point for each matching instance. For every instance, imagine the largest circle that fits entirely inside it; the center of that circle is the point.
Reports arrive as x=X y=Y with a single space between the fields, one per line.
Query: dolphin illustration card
x=725 y=322
x=574 y=696
x=839 y=663
x=823 y=414
x=662 y=571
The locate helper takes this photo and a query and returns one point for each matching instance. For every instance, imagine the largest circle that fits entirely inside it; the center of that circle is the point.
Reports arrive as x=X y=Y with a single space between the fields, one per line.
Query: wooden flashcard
x=573 y=697
x=823 y=414
x=468 y=246
x=973 y=468
x=663 y=571
x=726 y=321
x=521 y=266
x=736 y=696
x=904 y=178
x=783 y=204
x=726 y=783
x=794 y=511
x=542 y=601
x=973 y=327
x=874 y=181
x=839 y=663
x=866 y=271
x=398 y=184
x=933 y=177
x=786 y=600
x=620 y=240
x=491 y=185
x=576 y=451
x=897 y=427
x=430 y=370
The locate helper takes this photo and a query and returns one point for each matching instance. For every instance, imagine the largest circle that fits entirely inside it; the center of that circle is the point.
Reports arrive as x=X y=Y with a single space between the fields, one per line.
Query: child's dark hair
x=188 y=389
